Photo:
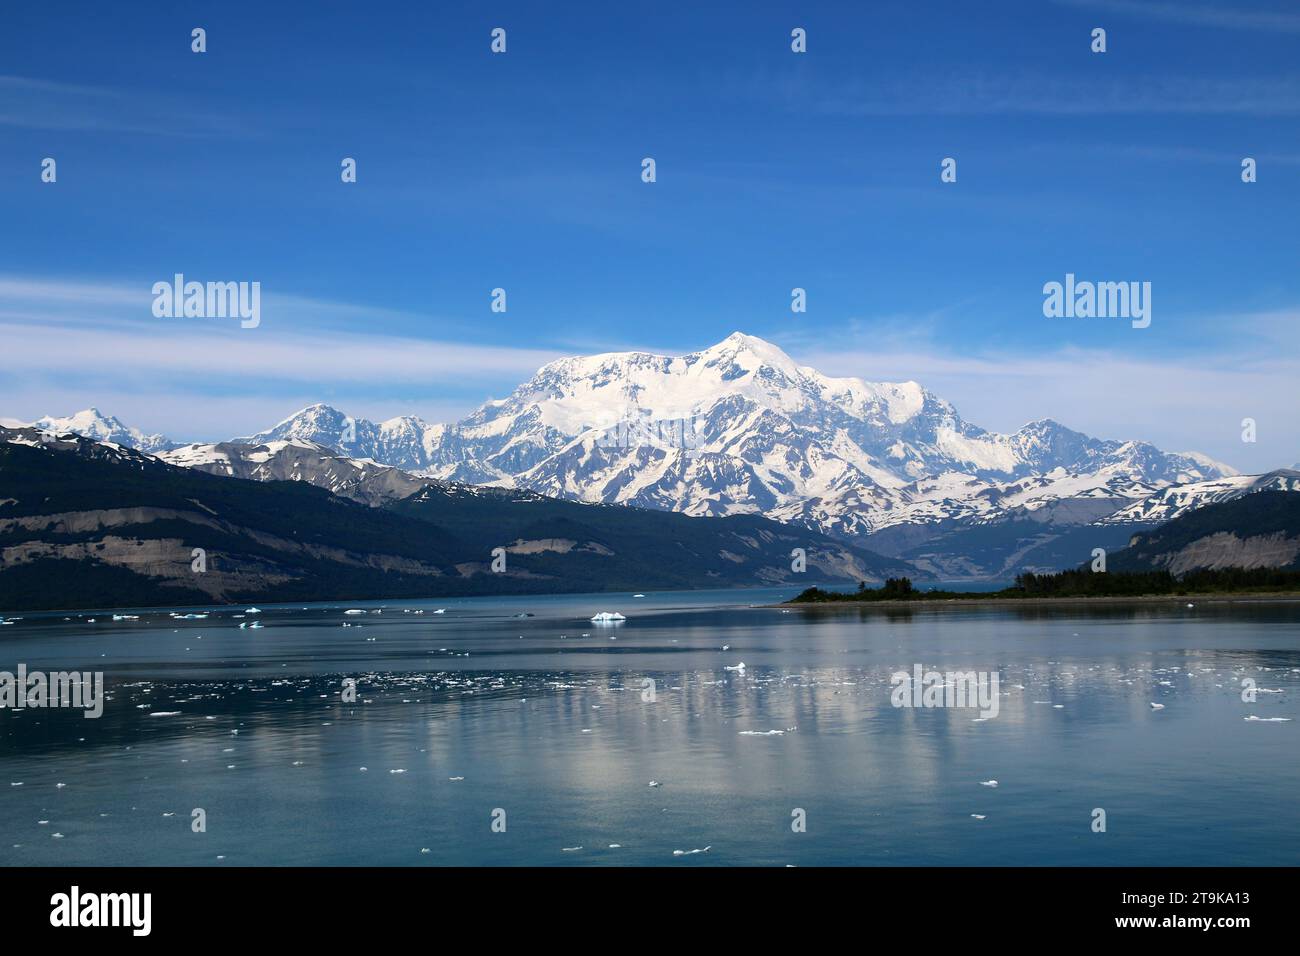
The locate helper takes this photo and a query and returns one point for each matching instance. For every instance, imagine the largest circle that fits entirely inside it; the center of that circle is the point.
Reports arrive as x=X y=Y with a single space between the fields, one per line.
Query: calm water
x=543 y=717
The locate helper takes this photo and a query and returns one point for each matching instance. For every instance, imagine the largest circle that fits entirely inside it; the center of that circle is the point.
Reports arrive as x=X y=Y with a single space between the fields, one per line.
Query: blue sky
x=775 y=170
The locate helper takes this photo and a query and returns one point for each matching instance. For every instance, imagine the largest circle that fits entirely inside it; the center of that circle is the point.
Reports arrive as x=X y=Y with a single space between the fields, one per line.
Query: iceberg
x=607 y=617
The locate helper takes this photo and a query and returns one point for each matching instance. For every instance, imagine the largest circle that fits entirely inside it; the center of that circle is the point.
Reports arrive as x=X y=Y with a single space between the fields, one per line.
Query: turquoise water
x=544 y=718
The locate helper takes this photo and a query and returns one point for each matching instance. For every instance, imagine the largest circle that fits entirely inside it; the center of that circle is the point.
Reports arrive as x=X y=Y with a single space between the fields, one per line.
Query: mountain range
x=740 y=428
x=86 y=524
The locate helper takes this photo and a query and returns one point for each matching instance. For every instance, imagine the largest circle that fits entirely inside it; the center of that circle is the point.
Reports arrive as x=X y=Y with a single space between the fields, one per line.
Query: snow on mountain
x=733 y=429
x=298 y=459
x=401 y=442
x=1170 y=503
x=95 y=425
x=741 y=427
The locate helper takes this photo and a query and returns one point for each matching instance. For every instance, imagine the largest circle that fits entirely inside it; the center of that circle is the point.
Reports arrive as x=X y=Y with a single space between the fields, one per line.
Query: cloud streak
x=39 y=104
x=1234 y=17
x=208 y=378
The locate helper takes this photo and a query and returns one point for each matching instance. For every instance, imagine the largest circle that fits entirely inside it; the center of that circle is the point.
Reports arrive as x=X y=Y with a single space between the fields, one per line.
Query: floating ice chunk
x=1155 y=706
x=726 y=647
x=655 y=783
x=977 y=816
x=607 y=617
x=570 y=849
x=1268 y=720
x=988 y=783
x=735 y=667
x=441 y=610
x=761 y=733
x=164 y=713
x=253 y=610
x=638 y=595
x=455 y=778
x=354 y=610
x=690 y=852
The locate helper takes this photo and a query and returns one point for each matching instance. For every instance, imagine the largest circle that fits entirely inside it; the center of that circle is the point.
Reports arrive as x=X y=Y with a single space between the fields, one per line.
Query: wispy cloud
x=223 y=353
x=35 y=103
x=978 y=93
x=79 y=341
x=206 y=379
x=1234 y=16
x=1182 y=402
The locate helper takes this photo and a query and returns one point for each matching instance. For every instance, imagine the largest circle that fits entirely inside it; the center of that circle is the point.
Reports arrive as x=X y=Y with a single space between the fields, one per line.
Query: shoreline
x=1263 y=597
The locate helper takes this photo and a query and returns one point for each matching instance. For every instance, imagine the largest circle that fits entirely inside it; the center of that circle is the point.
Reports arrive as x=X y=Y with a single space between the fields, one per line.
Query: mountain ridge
x=91 y=524
x=741 y=428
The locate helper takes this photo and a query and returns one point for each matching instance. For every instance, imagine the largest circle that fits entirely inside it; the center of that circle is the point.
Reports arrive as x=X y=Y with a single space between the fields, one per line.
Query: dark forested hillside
x=84 y=524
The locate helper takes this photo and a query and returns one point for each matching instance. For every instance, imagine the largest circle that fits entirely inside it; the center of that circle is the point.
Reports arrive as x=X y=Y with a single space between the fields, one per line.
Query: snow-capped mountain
x=741 y=428
x=737 y=428
x=403 y=442
x=1173 y=502
x=360 y=479
x=93 y=424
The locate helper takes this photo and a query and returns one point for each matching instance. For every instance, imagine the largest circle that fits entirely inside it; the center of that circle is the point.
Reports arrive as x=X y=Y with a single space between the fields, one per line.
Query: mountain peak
x=94 y=424
x=763 y=352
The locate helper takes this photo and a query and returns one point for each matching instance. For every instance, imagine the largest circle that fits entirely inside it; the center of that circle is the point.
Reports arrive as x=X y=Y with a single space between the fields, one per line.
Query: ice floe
x=705 y=849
